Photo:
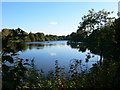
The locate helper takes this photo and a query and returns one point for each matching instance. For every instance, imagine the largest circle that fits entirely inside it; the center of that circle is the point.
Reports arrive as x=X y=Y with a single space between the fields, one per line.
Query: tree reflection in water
x=22 y=73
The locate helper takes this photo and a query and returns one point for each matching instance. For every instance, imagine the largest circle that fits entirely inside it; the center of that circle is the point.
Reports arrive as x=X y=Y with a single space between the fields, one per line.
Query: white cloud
x=53 y=23
x=53 y=54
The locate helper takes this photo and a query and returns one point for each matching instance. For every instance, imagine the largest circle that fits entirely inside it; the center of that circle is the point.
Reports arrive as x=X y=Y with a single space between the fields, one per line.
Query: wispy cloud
x=53 y=23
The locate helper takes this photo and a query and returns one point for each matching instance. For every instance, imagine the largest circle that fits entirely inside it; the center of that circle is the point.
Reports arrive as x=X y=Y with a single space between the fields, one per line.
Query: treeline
x=18 y=35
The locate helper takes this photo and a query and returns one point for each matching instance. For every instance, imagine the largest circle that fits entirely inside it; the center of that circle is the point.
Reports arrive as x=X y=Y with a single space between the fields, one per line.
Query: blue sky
x=59 y=18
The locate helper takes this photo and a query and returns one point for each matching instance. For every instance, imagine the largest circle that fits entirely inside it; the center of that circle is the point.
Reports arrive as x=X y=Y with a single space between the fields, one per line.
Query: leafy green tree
x=92 y=23
x=95 y=20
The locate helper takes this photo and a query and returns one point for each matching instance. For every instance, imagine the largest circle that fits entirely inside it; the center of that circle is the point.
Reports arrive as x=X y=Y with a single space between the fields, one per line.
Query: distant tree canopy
x=18 y=35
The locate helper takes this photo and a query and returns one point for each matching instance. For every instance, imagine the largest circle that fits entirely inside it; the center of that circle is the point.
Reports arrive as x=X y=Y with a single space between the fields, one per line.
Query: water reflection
x=80 y=46
x=45 y=53
x=41 y=45
x=56 y=60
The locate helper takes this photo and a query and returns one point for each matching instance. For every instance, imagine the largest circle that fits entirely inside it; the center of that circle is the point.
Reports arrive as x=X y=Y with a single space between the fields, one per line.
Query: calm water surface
x=46 y=53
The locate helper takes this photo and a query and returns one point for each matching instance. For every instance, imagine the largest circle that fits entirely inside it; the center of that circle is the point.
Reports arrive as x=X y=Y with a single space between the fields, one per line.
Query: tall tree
x=95 y=20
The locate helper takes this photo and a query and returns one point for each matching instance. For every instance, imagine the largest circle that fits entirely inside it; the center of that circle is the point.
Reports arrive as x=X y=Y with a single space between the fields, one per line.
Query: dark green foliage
x=7 y=58
x=91 y=24
x=104 y=42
